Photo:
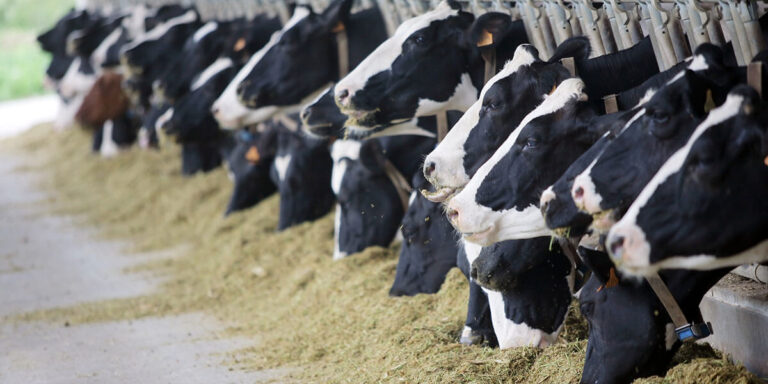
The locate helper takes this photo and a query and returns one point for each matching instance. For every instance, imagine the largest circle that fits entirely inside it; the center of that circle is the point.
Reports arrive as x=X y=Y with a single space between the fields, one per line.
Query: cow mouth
x=440 y=195
x=603 y=221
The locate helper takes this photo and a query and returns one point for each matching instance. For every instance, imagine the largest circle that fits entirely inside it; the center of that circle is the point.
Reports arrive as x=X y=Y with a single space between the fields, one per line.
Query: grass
x=332 y=321
x=22 y=60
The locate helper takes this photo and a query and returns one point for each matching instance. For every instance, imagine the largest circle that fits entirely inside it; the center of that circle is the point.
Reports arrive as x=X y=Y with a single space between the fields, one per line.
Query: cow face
x=86 y=41
x=504 y=101
x=501 y=200
x=557 y=205
x=249 y=165
x=429 y=246
x=302 y=172
x=420 y=70
x=368 y=208
x=530 y=295
x=300 y=64
x=322 y=117
x=55 y=40
x=156 y=44
x=78 y=79
x=688 y=209
x=607 y=187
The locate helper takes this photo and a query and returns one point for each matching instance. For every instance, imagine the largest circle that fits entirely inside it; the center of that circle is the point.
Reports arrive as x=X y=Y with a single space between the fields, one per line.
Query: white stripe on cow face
x=337 y=253
x=219 y=65
x=160 y=30
x=341 y=151
x=448 y=156
x=76 y=82
x=463 y=96
x=485 y=226
x=384 y=55
x=99 y=55
x=227 y=109
x=203 y=31
x=634 y=256
x=281 y=166
x=160 y=122
x=512 y=335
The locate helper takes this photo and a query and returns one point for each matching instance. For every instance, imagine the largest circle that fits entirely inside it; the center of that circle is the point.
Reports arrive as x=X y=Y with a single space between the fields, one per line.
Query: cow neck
x=400 y=183
x=610 y=102
x=683 y=328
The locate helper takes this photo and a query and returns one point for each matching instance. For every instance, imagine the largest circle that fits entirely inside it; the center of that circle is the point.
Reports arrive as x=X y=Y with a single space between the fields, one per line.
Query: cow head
x=105 y=101
x=429 y=246
x=368 y=208
x=704 y=208
x=302 y=62
x=607 y=187
x=55 y=39
x=155 y=45
x=504 y=101
x=501 y=200
x=302 y=172
x=422 y=69
x=249 y=165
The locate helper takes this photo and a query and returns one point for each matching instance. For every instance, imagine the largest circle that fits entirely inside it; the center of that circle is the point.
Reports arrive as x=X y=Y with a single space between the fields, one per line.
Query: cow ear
x=700 y=98
x=490 y=29
x=576 y=47
x=372 y=156
x=337 y=14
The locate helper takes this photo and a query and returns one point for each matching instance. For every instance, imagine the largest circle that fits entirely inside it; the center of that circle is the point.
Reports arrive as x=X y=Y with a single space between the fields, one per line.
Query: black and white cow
x=479 y=325
x=431 y=64
x=612 y=180
x=249 y=166
x=54 y=41
x=528 y=282
x=281 y=81
x=302 y=172
x=704 y=208
x=630 y=333
x=501 y=200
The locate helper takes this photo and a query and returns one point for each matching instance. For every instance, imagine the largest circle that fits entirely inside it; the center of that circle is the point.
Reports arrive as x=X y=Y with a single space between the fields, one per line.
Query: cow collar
x=400 y=183
x=683 y=328
x=342 y=47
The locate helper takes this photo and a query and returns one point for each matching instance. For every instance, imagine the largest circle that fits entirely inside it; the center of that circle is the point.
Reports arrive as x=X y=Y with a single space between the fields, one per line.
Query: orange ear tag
x=338 y=28
x=765 y=161
x=239 y=44
x=486 y=39
x=253 y=155
x=551 y=91
x=612 y=279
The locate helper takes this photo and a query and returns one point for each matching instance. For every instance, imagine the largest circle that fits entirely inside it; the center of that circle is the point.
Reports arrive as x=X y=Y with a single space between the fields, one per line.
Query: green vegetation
x=21 y=59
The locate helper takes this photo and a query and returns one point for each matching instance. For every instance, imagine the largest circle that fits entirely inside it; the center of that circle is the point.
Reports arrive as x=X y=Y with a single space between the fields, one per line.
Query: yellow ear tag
x=551 y=91
x=239 y=44
x=612 y=279
x=338 y=28
x=486 y=39
x=709 y=104
x=253 y=155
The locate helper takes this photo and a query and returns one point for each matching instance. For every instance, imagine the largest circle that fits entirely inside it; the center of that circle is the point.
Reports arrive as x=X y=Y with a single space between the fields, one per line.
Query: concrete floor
x=47 y=262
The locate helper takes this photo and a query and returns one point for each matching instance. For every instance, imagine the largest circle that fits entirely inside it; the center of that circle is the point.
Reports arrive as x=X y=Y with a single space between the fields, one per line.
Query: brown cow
x=105 y=101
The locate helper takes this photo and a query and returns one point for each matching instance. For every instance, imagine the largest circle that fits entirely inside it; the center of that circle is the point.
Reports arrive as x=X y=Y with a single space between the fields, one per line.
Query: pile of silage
x=332 y=320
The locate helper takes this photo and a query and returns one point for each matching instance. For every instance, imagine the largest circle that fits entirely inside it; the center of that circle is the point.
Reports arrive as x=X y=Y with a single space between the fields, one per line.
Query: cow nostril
x=429 y=169
x=578 y=193
x=453 y=215
x=617 y=246
x=545 y=207
x=342 y=94
x=215 y=110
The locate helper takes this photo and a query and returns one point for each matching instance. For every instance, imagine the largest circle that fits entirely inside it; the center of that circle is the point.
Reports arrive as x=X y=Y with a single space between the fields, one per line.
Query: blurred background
x=21 y=58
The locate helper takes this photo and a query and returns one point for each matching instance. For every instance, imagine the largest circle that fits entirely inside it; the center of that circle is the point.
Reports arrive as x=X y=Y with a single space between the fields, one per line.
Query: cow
x=431 y=64
x=429 y=247
x=630 y=332
x=702 y=209
x=249 y=166
x=281 y=81
x=104 y=101
x=115 y=135
x=528 y=283
x=611 y=181
x=302 y=172
x=478 y=326
x=54 y=41
x=501 y=200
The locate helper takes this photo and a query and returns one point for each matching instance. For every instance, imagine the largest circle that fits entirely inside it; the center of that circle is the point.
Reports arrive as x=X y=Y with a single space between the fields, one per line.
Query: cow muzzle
x=628 y=247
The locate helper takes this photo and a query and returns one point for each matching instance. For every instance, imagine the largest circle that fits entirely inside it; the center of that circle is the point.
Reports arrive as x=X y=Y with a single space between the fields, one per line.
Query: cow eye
x=660 y=117
x=531 y=143
x=419 y=39
x=587 y=309
x=492 y=105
